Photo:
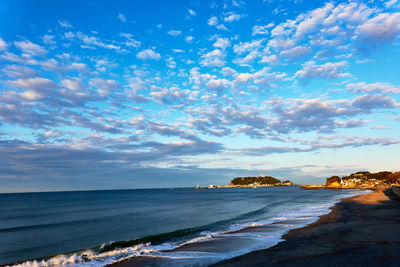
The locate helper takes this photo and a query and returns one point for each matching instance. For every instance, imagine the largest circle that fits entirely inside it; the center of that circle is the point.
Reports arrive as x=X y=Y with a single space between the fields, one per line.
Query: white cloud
x=212 y=21
x=33 y=83
x=30 y=48
x=263 y=30
x=148 y=54
x=191 y=12
x=189 y=39
x=3 y=44
x=48 y=39
x=313 y=20
x=172 y=95
x=174 y=32
x=95 y=41
x=296 y=52
x=370 y=102
x=69 y=35
x=74 y=84
x=226 y=71
x=104 y=86
x=243 y=78
x=215 y=58
x=170 y=62
x=231 y=16
x=32 y=95
x=248 y=59
x=222 y=43
x=363 y=87
x=36 y=88
x=218 y=85
x=65 y=24
x=271 y=60
x=221 y=27
x=130 y=42
x=244 y=47
x=383 y=28
x=16 y=71
x=328 y=70
x=121 y=17
x=390 y=3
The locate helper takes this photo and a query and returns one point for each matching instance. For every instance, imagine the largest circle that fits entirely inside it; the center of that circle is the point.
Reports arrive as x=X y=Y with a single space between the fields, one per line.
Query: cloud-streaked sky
x=138 y=94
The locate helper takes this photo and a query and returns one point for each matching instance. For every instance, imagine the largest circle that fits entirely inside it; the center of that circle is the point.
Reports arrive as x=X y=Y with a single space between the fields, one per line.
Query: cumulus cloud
x=74 y=84
x=296 y=52
x=148 y=54
x=174 y=32
x=261 y=29
x=222 y=43
x=215 y=58
x=121 y=17
x=212 y=21
x=48 y=39
x=30 y=48
x=16 y=71
x=3 y=44
x=231 y=16
x=245 y=47
x=65 y=24
x=172 y=95
x=327 y=71
x=383 y=28
x=91 y=41
x=363 y=87
x=192 y=12
x=218 y=85
x=33 y=83
x=189 y=39
x=270 y=59
x=104 y=86
x=370 y=102
x=130 y=41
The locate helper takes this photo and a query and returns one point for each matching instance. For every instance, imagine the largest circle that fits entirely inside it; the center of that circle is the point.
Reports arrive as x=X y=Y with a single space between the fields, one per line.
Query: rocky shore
x=360 y=231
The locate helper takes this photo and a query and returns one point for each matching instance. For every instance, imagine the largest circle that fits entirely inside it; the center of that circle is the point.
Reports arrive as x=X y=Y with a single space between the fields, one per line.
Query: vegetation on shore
x=254 y=180
x=258 y=181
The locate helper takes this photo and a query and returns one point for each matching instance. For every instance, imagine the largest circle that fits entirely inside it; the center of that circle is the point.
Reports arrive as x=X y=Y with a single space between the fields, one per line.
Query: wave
x=171 y=245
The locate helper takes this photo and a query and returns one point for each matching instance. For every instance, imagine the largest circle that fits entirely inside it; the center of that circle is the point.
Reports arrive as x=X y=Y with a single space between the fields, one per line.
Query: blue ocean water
x=95 y=228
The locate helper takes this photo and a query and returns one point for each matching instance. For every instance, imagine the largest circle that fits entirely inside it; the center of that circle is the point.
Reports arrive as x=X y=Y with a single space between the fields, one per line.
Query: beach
x=259 y=227
x=362 y=230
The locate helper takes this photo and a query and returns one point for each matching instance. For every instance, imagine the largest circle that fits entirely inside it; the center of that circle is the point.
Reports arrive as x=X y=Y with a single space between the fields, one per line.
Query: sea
x=156 y=227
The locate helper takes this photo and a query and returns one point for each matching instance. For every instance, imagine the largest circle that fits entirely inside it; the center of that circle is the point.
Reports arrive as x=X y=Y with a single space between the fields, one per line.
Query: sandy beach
x=360 y=231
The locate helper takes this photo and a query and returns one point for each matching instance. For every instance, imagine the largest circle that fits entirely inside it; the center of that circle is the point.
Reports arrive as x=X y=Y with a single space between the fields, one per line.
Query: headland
x=251 y=181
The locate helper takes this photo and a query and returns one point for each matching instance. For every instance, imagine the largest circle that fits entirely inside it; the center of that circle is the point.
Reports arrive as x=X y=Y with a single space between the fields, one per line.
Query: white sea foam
x=285 y=221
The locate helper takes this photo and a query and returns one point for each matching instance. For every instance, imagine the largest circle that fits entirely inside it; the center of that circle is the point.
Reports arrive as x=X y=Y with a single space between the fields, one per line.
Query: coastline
x=362 y=230
x=225 y=244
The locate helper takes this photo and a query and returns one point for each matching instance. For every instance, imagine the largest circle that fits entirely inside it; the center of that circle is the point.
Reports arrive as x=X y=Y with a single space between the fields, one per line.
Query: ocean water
x=180 y=227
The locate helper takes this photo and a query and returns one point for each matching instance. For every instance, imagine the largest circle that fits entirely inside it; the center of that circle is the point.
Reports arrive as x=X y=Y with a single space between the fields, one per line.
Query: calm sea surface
x=87 y=227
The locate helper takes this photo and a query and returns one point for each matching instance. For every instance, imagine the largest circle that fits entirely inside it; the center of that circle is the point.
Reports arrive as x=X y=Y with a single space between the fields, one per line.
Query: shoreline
x=362 y=230
x=216 y=242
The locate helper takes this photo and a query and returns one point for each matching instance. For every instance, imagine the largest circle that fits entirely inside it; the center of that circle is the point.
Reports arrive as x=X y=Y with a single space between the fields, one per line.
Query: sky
x=155 y=94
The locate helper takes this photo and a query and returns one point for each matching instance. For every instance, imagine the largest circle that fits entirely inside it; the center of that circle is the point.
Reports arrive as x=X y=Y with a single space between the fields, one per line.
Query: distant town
x=360 y=180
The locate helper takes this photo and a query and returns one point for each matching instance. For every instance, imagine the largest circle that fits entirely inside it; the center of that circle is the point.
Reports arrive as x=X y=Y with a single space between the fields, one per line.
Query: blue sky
x=139 y=94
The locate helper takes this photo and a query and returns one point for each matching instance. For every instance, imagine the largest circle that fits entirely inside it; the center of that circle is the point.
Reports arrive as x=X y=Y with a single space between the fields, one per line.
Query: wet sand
x=360 y=231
